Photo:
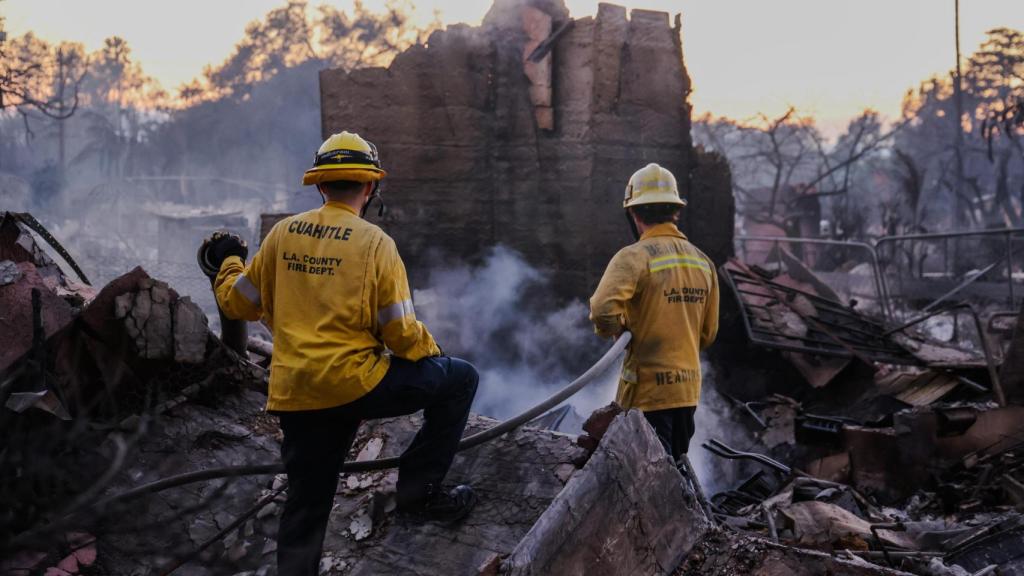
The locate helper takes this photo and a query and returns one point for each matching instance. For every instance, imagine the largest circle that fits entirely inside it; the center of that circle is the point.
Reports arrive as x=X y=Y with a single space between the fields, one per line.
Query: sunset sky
x=830 y=58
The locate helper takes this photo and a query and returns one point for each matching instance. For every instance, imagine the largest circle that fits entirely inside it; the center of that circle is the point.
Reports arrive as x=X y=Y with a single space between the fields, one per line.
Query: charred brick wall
x=484 y=148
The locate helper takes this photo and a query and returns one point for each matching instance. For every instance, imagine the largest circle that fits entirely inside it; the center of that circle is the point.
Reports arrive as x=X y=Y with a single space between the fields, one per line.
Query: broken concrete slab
x=162 y=325
x=628 y=511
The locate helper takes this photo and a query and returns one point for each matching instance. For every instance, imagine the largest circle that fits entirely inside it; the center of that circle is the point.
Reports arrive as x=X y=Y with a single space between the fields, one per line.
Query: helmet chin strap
x=632 y=225
x=382 y=209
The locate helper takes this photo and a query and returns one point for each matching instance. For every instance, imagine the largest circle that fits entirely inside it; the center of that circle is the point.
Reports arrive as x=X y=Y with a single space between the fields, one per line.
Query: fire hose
x=584 y=380
x=235 y=331
x=234 y=335
x=477 y=439
x=587 y=378
x=231 y=329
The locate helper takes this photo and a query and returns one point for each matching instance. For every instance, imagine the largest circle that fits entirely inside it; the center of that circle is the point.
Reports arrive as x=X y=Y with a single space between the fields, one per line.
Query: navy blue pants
x=316 y=443
x=674 y=428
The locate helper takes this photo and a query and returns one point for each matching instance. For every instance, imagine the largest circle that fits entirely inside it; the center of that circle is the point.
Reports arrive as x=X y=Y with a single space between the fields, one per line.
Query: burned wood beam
x=545 y=47
x=653 y=529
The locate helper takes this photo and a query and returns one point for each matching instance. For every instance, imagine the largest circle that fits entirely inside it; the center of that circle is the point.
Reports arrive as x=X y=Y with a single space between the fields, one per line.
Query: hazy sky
x=831 y=58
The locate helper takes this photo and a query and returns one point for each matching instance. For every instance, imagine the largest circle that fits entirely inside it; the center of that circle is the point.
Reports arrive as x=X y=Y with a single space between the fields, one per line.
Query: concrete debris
x=9 y=272
x=371 y=450
x=723 y=553
x=878 y=442
x=914 y=469
x=361 y=526
x=525 y=479
x=124 y=414
x=162 y=328
x=331 y=565
x=822 y=525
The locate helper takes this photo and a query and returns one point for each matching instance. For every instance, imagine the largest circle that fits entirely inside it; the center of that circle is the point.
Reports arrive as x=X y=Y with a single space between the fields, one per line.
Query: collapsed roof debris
x=870 y=438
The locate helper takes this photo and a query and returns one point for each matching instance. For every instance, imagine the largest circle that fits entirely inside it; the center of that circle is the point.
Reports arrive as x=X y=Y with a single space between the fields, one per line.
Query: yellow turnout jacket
x=665 y=291
x=334 y=291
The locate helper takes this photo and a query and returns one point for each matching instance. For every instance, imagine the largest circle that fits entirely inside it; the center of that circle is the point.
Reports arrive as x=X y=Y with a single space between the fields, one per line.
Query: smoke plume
x=501 y=316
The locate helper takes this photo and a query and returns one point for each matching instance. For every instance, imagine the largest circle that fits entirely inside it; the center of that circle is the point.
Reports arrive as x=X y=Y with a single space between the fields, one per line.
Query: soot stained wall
x=471 y=163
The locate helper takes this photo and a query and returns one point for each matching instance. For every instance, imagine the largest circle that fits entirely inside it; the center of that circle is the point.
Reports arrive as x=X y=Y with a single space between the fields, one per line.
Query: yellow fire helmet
x=652 y=184
x=345 y=156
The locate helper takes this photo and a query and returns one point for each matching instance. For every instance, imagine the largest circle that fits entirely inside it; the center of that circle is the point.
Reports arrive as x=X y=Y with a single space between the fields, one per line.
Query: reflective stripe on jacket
x=334 y=291
x=665 y=291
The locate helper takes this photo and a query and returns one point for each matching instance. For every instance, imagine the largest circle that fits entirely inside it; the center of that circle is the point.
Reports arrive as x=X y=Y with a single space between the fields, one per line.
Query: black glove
x=223 y=245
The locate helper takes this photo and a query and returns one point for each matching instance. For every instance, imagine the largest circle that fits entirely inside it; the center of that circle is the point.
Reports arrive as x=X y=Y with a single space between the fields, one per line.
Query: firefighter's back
x=325 y=349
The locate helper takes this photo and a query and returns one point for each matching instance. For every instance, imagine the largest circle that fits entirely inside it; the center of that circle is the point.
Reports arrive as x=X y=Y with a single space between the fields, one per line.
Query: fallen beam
x=628 y=511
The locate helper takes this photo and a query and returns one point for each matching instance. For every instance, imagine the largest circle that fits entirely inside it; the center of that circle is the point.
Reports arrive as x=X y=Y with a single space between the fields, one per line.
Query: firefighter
x=665 y=291
x=347 y=347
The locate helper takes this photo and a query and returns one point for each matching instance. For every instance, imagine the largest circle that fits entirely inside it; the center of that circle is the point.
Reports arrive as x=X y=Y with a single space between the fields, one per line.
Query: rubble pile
x=865 y=439
x=726 y=554
x=136 y=442
x=89 y=380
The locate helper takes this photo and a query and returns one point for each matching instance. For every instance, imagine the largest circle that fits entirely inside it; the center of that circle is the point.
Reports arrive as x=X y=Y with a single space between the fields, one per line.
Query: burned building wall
x=487 y=146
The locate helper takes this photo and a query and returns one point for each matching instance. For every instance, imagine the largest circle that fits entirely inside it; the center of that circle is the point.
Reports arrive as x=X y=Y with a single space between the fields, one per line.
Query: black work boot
x=442 y=506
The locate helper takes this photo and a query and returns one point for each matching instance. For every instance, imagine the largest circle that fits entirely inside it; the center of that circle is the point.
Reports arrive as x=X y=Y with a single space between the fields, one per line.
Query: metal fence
x=937 y=267
x=865 y=284
x=908 y=274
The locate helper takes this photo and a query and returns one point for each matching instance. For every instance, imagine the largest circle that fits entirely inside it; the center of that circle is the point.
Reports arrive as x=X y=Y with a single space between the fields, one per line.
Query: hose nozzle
x=203 y=255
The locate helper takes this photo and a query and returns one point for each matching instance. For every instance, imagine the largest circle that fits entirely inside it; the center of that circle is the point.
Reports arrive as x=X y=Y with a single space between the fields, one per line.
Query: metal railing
x=887 y=253
x=948 y=267
x=869 y=250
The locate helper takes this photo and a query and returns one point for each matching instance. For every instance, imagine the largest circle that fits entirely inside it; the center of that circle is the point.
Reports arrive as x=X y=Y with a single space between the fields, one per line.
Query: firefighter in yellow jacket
x=665 y=291
x=347 y=347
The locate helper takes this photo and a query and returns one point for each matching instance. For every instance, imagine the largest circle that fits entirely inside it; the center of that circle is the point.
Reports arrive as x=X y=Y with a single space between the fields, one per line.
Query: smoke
x=502 y=316
x=717 y=418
